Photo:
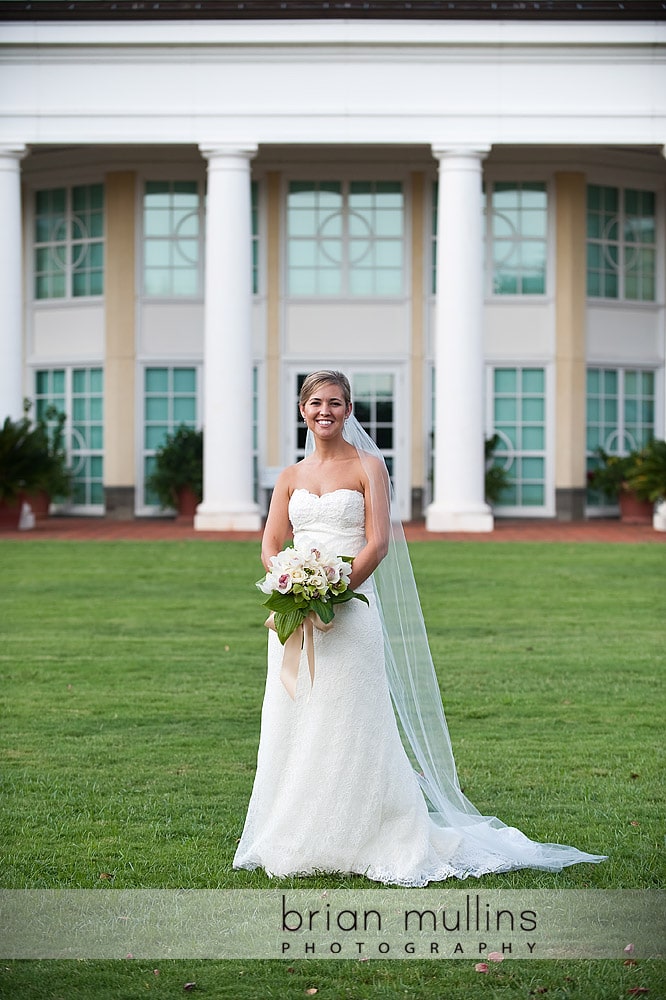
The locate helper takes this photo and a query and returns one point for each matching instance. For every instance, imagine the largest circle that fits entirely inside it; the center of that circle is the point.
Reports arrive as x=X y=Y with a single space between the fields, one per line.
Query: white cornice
x=331 y=32
x=431 y=52
x=493 y=83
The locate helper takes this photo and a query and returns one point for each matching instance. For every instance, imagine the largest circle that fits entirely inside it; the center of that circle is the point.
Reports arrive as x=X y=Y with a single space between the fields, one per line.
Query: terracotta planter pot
x=187 y=503
x=39 y=502
x=10 y=511
x=633 y=510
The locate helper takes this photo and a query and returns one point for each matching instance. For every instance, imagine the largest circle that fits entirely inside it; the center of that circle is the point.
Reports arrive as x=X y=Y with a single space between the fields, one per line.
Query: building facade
x=466 y=216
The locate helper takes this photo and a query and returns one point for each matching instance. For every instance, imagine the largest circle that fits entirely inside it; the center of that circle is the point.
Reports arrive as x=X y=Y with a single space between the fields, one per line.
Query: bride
x=355 y=773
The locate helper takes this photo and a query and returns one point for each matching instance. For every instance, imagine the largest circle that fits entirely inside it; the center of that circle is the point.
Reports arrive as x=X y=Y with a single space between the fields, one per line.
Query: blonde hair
x=316 y=380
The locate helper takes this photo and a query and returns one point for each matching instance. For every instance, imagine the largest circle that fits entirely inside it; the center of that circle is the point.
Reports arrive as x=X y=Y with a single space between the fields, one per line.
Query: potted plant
x=647 y=476
x=497 y=479
x=612 y=477
x=27 y=464
x=177 y=478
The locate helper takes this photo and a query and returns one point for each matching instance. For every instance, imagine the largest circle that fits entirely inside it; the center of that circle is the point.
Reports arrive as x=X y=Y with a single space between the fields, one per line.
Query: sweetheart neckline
x=329 y=493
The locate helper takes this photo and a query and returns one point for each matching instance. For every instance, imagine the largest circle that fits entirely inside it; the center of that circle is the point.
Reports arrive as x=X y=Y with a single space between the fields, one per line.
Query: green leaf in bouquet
x=284 y=603
x=348 y=595
x=287 y=623
x=324 y=610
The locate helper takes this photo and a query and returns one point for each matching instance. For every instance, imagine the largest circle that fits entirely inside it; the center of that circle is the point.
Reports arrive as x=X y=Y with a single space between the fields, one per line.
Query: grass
x=132 y=678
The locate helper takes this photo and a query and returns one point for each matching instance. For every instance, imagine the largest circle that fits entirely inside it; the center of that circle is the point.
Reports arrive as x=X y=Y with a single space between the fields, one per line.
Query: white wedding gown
x=334 y=790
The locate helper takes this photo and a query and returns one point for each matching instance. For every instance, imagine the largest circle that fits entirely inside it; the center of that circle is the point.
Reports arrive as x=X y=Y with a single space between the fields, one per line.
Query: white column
x=227 y=499
x=11 y=283
x=458 y=502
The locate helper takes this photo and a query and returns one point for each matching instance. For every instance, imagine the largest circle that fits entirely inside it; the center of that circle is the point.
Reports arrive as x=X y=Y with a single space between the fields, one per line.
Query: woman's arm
x=278 y=527
x=377 y=523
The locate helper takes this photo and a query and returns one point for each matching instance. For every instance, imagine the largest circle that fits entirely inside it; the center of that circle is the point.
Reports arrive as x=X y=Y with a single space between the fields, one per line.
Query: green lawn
x=132 y=678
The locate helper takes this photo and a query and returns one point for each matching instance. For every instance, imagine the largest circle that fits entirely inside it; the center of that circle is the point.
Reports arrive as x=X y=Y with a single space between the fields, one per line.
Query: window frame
x=606 y=507
x=345 y=176
x=489 y=183
x=163 y=175
x=70 y=506
x=141 y=508
x=595 y=180
x=547 y=509
x=66 y=183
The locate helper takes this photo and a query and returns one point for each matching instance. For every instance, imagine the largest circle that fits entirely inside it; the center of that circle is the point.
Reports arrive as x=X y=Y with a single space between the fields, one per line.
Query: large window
x=621 y=244
x=79 y=393
x=172 y=239
x=519 y=419
x=620 y=414
x=68 y=247
x=345 y=238
x=517 y=219
x=169 y=400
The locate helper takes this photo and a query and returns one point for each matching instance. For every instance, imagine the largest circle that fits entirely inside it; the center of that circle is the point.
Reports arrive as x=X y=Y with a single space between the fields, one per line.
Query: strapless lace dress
x=334 y=790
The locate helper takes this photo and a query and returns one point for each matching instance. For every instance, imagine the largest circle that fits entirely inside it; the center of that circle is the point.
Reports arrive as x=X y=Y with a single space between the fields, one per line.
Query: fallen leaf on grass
x=635 y=822
x=630 y=961
x=633 y=775
x=481 y=967
x=106 y=875
x=639 y=991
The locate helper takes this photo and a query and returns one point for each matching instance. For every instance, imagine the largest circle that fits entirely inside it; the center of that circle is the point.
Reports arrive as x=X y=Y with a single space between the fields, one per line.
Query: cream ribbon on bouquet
x=301 y=638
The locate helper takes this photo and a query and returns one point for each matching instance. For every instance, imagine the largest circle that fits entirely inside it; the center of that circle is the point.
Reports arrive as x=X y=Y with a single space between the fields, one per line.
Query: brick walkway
x=160 y=529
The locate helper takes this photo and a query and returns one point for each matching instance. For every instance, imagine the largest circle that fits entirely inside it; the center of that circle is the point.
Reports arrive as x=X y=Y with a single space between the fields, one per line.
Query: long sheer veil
x=486 y=844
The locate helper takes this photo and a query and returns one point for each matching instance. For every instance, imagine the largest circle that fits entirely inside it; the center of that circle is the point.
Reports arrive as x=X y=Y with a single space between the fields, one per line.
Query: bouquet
x=303 y=580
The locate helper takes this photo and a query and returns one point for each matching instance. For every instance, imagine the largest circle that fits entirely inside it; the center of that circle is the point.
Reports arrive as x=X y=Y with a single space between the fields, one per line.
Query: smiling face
x=325 y=410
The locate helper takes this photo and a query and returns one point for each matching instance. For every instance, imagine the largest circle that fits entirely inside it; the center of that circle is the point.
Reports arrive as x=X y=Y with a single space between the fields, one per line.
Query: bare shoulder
x=289 y=479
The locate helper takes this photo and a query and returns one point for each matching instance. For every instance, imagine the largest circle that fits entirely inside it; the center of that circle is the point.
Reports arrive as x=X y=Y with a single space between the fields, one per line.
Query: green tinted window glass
x=156 y=379
x=518 y=223
x=172 y=232
x=505 y=380
x=621 y=249
x=519 y=408
x=345 y=239
x=533 y=380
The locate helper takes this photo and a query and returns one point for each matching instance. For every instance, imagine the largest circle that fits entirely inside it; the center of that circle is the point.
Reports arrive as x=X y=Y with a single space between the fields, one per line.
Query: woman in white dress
x=355 y=774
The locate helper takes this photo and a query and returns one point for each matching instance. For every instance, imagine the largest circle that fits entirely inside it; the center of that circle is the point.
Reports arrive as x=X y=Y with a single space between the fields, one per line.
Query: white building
x=212 y=199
